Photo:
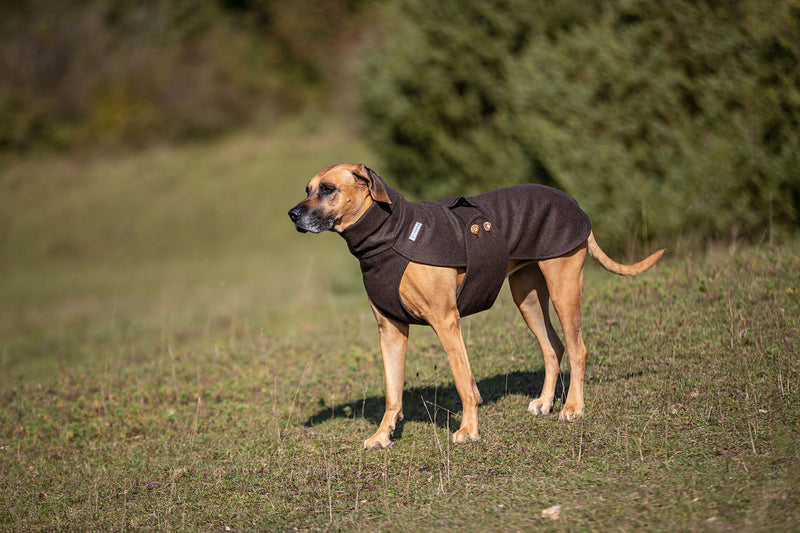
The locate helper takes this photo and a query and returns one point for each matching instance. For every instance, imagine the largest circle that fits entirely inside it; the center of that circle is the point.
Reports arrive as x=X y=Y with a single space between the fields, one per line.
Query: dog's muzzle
x=296 y=214
x=305 y=220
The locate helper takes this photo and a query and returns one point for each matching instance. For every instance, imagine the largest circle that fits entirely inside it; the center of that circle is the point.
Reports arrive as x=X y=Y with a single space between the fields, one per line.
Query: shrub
x=660 y=118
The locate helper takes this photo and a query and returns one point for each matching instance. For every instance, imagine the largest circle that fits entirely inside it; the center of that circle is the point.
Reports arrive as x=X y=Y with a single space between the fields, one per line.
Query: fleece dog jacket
x=480 y=234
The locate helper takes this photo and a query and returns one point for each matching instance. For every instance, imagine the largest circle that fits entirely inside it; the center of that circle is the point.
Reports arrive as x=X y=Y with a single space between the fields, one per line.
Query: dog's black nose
x=294 y=214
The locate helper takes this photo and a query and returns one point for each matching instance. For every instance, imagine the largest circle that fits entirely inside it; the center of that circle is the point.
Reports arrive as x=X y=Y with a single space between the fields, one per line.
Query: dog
x=434 y=262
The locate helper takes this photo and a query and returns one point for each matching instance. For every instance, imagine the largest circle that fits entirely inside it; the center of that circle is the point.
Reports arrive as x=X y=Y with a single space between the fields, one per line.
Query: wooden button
x=487 y=226
x=475 y=229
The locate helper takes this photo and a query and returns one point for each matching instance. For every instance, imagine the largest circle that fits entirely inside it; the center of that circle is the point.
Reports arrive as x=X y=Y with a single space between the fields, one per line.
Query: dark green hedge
x=661 y=118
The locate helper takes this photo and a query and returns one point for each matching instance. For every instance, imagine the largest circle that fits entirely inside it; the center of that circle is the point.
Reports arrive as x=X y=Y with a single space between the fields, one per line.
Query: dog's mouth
x=305 y=221
x=313 y=226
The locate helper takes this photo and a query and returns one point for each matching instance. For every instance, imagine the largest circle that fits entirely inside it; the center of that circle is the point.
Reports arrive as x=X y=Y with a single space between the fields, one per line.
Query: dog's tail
x=618 y=268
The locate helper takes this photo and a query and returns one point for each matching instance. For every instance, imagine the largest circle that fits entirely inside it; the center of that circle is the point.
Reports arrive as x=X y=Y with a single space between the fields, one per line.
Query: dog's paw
x=379 y=441
x=540 y=406
x=570 y=414
x=464 y=435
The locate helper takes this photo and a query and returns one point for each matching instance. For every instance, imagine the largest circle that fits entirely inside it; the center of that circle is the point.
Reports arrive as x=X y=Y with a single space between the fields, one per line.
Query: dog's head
x=337 y=197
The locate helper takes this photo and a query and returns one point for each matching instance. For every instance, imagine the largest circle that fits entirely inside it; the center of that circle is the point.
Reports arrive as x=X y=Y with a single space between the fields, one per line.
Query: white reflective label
x=415 y=231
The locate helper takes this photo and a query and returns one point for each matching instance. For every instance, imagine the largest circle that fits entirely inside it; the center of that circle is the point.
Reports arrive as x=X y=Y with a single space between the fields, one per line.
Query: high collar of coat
x=378 y=228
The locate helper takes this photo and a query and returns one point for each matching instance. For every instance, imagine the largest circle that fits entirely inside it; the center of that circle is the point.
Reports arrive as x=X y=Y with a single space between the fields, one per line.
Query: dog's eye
x=326 y=188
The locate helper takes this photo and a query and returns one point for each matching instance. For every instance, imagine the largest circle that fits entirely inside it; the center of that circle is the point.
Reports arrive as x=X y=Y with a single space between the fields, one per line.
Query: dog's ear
x=375 y=183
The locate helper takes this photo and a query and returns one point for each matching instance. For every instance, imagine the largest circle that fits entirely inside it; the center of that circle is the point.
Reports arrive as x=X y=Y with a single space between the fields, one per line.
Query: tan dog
x=340 y=195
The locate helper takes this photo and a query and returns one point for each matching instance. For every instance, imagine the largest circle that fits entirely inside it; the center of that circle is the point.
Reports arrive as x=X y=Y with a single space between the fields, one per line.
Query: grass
x=175 y=356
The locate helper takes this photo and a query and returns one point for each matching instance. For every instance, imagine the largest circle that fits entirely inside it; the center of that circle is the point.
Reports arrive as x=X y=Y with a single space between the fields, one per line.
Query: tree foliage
x=662 y=118
x=133 y=71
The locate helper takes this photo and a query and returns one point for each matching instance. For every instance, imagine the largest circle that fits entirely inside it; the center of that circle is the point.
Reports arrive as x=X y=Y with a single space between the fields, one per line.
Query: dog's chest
x=451 y=233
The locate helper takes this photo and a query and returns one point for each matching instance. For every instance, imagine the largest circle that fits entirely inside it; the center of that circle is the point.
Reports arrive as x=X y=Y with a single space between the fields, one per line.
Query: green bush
x=131 y=72
x=662 y=119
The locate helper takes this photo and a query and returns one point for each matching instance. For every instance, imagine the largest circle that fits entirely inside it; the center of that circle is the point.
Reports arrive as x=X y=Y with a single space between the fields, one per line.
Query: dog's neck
x=376 y=229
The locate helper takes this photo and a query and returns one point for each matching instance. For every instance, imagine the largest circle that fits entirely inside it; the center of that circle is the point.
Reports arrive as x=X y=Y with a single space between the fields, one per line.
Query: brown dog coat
x=480 y=234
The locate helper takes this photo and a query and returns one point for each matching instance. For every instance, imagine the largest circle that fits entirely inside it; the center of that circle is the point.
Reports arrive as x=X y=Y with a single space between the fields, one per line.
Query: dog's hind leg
x=532 y=297
x=564 y=277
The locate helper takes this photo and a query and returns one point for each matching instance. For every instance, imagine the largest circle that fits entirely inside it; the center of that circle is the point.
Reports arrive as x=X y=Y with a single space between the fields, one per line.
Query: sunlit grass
x=214 y=369
x=167 y=238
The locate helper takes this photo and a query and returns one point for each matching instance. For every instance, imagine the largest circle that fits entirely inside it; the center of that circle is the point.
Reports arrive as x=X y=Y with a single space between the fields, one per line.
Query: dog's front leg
x=394 y=339
x=429 y=292
x=449 y=333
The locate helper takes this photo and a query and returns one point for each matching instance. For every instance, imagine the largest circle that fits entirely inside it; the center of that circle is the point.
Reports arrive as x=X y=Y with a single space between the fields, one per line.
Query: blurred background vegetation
x=664 y=119
x=132 y=72
x=667 y=120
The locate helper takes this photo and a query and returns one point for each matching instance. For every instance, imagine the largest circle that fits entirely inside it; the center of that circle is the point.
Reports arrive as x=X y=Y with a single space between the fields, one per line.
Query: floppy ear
x=377 y=189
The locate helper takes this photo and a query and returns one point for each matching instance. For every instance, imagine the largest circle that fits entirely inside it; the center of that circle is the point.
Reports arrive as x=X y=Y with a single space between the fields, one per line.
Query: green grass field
x=176 y=357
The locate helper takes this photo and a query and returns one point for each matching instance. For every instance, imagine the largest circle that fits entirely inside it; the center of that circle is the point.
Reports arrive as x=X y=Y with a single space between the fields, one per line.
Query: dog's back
x=537 y=221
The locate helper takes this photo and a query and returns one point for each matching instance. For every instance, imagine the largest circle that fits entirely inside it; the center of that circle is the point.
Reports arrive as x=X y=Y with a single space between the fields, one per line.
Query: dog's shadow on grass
x=440 y=404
